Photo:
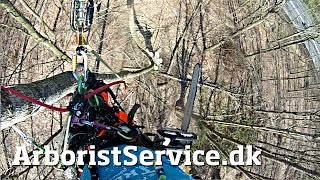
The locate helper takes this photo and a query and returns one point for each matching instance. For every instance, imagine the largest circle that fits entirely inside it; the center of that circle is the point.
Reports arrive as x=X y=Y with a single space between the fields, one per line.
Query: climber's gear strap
x=132 y=113
x=103 y=88
x=27 y=139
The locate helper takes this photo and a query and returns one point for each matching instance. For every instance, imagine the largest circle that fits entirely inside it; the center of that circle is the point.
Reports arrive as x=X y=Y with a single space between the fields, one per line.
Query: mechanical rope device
x=92 y=95
x=81 y=17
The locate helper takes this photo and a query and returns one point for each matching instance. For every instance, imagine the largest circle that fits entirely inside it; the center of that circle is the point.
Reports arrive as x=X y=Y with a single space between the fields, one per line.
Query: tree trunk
x=49 y=91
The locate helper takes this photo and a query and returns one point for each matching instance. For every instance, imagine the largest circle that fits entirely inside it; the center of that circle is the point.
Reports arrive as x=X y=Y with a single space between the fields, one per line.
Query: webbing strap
x=27 y=139
x=132 y=113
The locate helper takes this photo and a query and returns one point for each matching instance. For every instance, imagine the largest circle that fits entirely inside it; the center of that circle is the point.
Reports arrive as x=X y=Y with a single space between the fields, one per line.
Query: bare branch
x=8 y=6
x=44 y=24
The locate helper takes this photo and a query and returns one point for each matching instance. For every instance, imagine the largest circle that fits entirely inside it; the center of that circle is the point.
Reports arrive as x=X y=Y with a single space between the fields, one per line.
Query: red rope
x=100 y=89
x=29 y=99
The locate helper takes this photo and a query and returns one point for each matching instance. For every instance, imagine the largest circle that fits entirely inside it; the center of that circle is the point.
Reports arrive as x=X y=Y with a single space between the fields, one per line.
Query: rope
x=101 y=89
x=34 y=101
x=29 y=99
x=32 y=142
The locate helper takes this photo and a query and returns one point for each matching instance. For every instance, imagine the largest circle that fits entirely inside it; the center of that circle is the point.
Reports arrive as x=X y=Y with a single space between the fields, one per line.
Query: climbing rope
x=29 y=99
x=101 y=89
x=34 y=101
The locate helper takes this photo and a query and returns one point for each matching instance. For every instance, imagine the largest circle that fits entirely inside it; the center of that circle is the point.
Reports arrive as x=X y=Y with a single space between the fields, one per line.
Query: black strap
x=114 y=98
x=132 y=113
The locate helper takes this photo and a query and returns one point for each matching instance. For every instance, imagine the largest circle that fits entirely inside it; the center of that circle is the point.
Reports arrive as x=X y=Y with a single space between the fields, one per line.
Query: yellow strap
x=77 y=40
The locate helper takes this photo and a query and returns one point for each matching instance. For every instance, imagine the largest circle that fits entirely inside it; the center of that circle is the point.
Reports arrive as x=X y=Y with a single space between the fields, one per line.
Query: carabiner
x=78 y=67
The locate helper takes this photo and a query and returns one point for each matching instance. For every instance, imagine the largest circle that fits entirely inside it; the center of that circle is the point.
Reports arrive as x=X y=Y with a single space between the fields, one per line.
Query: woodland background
x=258 y=86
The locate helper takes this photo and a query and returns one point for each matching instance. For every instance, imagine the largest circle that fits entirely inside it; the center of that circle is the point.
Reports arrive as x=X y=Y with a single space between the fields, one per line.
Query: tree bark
x=49 y=91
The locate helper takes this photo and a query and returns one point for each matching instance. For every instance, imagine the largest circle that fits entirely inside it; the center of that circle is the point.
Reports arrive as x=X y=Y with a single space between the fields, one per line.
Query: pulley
x=81 y=16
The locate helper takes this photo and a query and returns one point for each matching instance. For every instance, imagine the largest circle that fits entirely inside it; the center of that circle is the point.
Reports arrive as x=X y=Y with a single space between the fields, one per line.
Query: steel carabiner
x=80 y=67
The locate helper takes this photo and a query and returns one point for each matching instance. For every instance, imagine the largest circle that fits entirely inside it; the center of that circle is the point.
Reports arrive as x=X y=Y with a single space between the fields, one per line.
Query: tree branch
x=269 y=154
x=8 y=6
x=33 y=13
x=221 y=120
x=49 y=91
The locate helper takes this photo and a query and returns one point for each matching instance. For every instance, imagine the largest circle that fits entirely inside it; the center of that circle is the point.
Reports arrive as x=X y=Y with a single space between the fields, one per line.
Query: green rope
x=81 y=89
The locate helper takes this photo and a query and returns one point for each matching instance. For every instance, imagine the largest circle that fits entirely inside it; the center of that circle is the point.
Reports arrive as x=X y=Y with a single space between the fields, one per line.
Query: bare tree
x=259 y=84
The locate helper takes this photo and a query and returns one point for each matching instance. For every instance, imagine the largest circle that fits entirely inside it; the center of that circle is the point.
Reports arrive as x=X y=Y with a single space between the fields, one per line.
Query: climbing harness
x=96 y=119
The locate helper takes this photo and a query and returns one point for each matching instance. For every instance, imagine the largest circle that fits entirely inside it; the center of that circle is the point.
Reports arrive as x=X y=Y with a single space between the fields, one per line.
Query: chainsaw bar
x=191 y=97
